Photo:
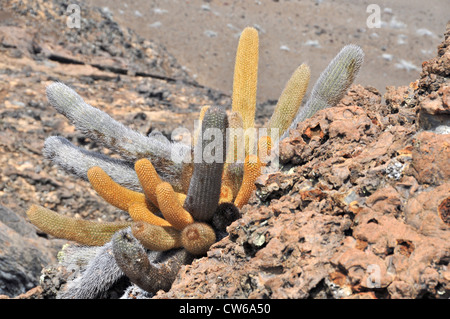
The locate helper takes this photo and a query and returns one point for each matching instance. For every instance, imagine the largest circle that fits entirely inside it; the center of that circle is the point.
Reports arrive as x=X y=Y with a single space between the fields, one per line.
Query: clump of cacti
x=333 y=83
x=178 y=205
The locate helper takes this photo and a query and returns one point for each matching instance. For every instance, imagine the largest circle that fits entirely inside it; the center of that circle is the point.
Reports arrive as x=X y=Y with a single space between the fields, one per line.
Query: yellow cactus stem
x=232 y=177
x=148 y=177
x=181 y=197
x=197 y=238
x=171 y=208
x=245 y=79
x=252 y=170
x=112 y=192
x=140 y=212
x=186 y=175
x=226 y=195
x=200 y=119
x=85 y=232
x=236 y=127
x=264 y=149
x=157 y=238
x=290 y=100
x=202 y=112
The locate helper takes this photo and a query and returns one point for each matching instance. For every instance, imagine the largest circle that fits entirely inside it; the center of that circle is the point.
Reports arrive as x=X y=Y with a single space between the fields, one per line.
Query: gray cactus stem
x=102 y=128
x=100 y=274
x=150 y=275
x=77 y=161
x=332 y=84
x=205 y=185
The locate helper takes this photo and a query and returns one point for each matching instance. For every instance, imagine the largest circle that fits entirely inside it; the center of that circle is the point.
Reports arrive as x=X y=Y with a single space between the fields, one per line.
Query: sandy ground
x=203 y=36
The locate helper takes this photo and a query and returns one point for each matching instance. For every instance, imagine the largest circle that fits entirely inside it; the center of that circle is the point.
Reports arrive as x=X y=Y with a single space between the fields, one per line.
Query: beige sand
x=203 y=36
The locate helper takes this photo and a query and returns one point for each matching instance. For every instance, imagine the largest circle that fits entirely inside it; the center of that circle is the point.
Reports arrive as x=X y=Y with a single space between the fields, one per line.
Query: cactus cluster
x=178 y=205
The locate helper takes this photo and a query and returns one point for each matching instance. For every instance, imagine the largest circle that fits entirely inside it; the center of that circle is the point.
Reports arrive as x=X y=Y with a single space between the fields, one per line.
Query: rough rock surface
x=23 y=254
x=359 y=209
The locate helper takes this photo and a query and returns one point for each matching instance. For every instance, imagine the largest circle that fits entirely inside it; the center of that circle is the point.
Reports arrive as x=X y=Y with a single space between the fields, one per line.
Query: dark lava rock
x=23 y=254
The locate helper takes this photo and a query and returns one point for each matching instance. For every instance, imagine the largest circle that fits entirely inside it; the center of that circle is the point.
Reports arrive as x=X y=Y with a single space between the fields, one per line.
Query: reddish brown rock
x=433 y=92
x=431 y=158
x=434 y=110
